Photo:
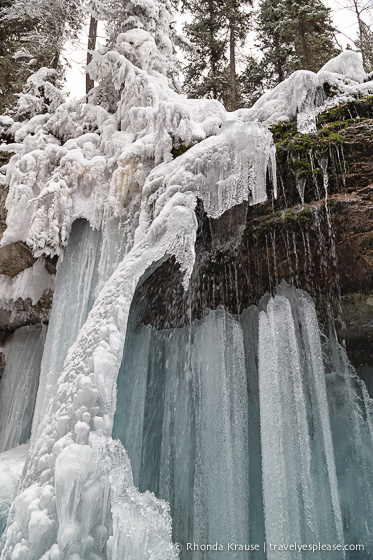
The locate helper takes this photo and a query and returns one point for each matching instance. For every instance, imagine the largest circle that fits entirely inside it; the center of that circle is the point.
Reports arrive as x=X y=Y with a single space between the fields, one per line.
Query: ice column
x=351 y=413
x=222 y=453
x=301 y=496
x=72 y=301
x=182 y=413
x=19 y=384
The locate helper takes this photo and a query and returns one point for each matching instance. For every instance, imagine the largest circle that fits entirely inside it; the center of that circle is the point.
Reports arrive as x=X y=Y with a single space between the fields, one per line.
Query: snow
x=39 y=94
x=87 y=383
x=347 y=63
x=30 y=283
x=11 y=466
x=234 y=162
x=301 y=96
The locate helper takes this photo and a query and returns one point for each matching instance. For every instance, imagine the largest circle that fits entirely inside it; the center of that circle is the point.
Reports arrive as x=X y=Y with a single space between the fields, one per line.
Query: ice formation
x=97 y=184
x=209 y=465
x=347 y=63
x=30 y=283
x=301 y=96
x=19 y=384
x=11 y=466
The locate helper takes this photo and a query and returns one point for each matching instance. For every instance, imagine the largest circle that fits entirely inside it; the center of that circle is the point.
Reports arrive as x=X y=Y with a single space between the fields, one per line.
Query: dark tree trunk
x=92 y=37
x=232 y=55
x=213 y=54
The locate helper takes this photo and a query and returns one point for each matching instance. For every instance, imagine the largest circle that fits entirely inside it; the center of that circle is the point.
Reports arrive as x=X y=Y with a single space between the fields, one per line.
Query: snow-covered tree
x=50 y=24
x=205 y=72
x=153 y=18
x=15 y=62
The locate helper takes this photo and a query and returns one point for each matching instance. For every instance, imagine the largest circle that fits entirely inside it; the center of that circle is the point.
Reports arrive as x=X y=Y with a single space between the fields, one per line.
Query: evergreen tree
x=294 y=35
x=217 y=29
x=50 y=24
x=277 y=53
x=251 y=81
x=14 y=68
x=205 y=73
x=155 y=19
x=32 y=36
x=238 y=25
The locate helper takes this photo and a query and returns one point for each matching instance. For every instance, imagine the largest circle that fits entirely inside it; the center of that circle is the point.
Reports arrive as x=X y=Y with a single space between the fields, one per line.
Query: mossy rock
x=349 y=113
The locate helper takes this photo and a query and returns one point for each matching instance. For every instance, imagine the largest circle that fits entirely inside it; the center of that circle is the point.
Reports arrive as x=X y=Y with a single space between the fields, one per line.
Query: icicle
x=351 y=416
x=323 y=162
x=222 y=455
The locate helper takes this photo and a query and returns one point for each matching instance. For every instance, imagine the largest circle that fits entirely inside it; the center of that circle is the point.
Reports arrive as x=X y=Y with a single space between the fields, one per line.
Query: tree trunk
x=212 y=51
x=361 y=34
x=92 y=37
x=232 y=56
x=305 y=57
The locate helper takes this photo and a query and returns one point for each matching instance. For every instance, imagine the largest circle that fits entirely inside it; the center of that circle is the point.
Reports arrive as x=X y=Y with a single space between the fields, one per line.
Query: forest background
x=230 y=50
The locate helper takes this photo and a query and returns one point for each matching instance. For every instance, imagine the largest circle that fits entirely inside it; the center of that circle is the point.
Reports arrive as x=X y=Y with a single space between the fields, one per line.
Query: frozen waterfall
x=188 y=413
x=19 y=385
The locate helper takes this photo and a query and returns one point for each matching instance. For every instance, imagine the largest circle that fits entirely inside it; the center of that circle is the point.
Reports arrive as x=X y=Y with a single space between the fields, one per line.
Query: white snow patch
x=347 y=63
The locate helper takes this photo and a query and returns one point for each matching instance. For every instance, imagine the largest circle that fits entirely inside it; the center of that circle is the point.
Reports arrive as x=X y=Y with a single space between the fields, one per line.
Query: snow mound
x=303 y=96
x=349 y=64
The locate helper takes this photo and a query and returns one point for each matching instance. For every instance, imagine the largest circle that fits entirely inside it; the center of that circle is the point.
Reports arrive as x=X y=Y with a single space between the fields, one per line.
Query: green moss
x=349 y=113
x=336 y=207
x=304 y=216
x=283 y=130
x=289 y=220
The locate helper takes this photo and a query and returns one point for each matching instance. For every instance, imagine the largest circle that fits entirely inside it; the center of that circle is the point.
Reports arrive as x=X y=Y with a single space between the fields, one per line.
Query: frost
x=301 y=96
x=40 y=94
x=223 y=171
